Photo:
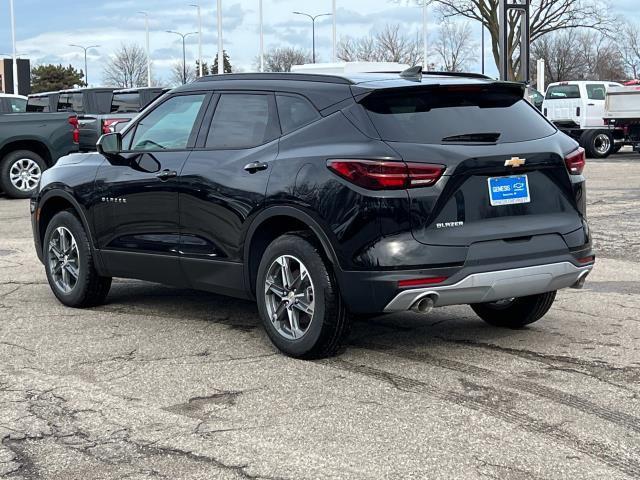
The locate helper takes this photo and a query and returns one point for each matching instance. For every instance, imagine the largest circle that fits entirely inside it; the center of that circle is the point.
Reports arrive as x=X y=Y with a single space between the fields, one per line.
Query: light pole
x=220 y=44
x=482 y=41
x=425 y=65
x=13 y=43
x=184 y=53
x=313 y=29
x=334 y=31
x=86 y=73
x=199 y=38
x=146 y=26
x=261 y=37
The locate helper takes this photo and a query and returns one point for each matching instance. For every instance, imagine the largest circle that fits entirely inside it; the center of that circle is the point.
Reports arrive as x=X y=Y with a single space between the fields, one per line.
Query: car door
x=596 y=94
x=135 y=212
x=224 y=185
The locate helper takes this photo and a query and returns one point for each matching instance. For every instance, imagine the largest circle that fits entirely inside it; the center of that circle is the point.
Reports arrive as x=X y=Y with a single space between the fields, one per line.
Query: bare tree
x=454 y=46
x=177 y=72
x=579 y=55
x=629 y=48
x=282 y=59
x=387 y=45
x=547 y=16
x=127 y=68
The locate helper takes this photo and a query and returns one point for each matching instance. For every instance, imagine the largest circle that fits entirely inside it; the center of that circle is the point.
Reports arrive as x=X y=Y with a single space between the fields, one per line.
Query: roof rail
x=304 y=77
x=458 y=74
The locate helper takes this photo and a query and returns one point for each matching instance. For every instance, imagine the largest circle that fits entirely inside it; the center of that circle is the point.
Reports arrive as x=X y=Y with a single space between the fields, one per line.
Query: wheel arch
x=36 y=146
x=53 y=202
x=272 y=223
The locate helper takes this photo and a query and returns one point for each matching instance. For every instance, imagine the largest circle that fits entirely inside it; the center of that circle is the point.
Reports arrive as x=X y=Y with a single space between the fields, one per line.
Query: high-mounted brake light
x=576 y=161
x=383 y=175
x=73 y=121
x=420 y=282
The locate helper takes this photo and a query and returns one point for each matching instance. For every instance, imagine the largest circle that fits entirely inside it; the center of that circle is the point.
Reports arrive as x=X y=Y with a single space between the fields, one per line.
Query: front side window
x=242 y=121
x=596 y=91
x=295 y=112
x=169 y=126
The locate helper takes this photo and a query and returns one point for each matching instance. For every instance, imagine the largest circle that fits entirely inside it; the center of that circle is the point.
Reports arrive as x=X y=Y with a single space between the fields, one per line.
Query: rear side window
x=456 y=115
x=38 y=104
x=71 y=102
x=596 y=91
x=169 y=126
x=559 y=92
x=242 y=121
x=125 y=103
x=295 y=112
x=17 y=105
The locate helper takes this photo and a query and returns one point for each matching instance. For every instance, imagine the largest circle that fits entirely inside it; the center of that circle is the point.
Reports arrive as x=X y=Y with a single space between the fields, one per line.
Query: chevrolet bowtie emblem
x=515 y=162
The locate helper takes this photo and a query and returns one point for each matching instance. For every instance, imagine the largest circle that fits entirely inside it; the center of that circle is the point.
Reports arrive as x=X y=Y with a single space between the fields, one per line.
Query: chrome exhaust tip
x=423 y=305
x=581 y=281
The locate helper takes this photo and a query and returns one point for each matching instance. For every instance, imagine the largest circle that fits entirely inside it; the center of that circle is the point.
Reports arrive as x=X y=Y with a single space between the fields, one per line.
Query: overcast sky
x=46 y=28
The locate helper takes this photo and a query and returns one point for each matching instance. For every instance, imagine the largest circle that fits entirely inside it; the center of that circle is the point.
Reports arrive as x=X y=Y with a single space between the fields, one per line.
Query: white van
x=577 y=108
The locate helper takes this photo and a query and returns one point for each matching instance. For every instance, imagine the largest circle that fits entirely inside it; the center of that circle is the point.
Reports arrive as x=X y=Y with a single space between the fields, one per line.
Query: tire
x=20 y=173
x=84 y=289
x=516 y=313
x=319 y=334
x=597 y=143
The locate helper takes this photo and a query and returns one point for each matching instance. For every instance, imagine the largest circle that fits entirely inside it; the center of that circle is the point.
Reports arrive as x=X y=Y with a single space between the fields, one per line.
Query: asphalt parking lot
x=168 y=383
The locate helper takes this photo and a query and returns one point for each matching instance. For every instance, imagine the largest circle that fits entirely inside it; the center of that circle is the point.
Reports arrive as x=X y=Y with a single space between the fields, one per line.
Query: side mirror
x=110 y=144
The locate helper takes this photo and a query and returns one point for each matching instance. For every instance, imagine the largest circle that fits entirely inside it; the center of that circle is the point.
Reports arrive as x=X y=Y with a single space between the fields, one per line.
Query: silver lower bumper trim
x=498 y=285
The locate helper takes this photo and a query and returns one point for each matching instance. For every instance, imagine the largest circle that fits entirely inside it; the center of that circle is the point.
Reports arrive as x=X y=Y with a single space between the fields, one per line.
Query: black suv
x=323 y=196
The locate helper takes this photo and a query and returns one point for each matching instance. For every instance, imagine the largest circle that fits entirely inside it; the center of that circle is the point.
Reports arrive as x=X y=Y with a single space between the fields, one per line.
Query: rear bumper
x=495 y=285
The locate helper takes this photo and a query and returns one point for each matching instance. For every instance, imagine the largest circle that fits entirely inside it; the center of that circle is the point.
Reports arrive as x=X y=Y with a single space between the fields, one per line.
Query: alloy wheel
x=64 y=259
x=25 y=174
x=602 y=144
x=289 y=297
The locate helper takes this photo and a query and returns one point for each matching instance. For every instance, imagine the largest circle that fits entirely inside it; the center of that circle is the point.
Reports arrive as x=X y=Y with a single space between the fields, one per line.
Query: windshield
x=561 y=92
x=466 y=114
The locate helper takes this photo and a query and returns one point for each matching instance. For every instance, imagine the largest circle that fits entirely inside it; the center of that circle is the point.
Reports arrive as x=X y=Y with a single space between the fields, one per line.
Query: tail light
x=108 y=126
x=420 y=282
x=381 y=175
x=576 y=161
x=73 y=121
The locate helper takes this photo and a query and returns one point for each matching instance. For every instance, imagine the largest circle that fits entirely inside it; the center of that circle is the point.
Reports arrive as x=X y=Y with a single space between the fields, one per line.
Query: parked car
x=577 y=108
x=10 y=103
x=323 y=196
x=88 y=104
x=126 y=104
x=29 y=144
x=43 y=102
x=535 y=97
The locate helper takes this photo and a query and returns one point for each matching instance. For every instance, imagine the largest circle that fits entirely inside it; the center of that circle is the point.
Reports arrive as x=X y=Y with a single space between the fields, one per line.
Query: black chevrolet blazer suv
x=322 y=197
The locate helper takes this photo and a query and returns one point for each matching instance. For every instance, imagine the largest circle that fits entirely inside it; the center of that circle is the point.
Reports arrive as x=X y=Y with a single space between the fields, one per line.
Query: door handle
x=591 y=104
x=256 y=167
x=165 y=175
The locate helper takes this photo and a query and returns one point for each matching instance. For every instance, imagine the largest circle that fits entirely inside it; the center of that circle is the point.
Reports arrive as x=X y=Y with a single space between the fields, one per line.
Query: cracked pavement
x=169 y=383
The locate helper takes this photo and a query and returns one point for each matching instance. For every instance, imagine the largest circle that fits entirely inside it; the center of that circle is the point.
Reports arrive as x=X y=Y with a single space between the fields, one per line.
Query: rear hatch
x=505 y=176
x=563 y=104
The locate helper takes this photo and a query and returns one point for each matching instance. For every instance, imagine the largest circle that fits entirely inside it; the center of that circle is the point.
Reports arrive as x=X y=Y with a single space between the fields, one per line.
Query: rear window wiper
x=473 y=138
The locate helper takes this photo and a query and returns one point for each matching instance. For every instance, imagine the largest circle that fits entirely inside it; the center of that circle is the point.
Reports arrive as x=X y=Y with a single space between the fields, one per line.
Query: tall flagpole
x=425 y=65
x=334 y=32
x=197 y=5
x=15 y=56
x=261 y=38
x=220 y=44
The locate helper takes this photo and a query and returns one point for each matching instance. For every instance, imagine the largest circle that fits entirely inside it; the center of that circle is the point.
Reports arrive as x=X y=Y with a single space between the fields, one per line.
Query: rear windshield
x=38 y=104
x=456 y=115
x=125 y=103
x=70 y=102
x=561 y=92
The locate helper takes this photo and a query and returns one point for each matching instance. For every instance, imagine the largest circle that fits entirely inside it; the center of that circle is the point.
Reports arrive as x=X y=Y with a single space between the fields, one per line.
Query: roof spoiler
x=415 y=73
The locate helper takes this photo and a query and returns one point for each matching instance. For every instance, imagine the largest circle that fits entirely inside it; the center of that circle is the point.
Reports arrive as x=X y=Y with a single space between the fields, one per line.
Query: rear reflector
x=108 y=126
x=576 y=161
x=381 y=175
x=586 y=259
x=419 y=282
x=73 y=121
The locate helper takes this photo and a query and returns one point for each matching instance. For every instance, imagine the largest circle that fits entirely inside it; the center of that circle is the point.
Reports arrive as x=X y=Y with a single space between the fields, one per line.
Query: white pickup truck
x=622 y=114
x=578 y=109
